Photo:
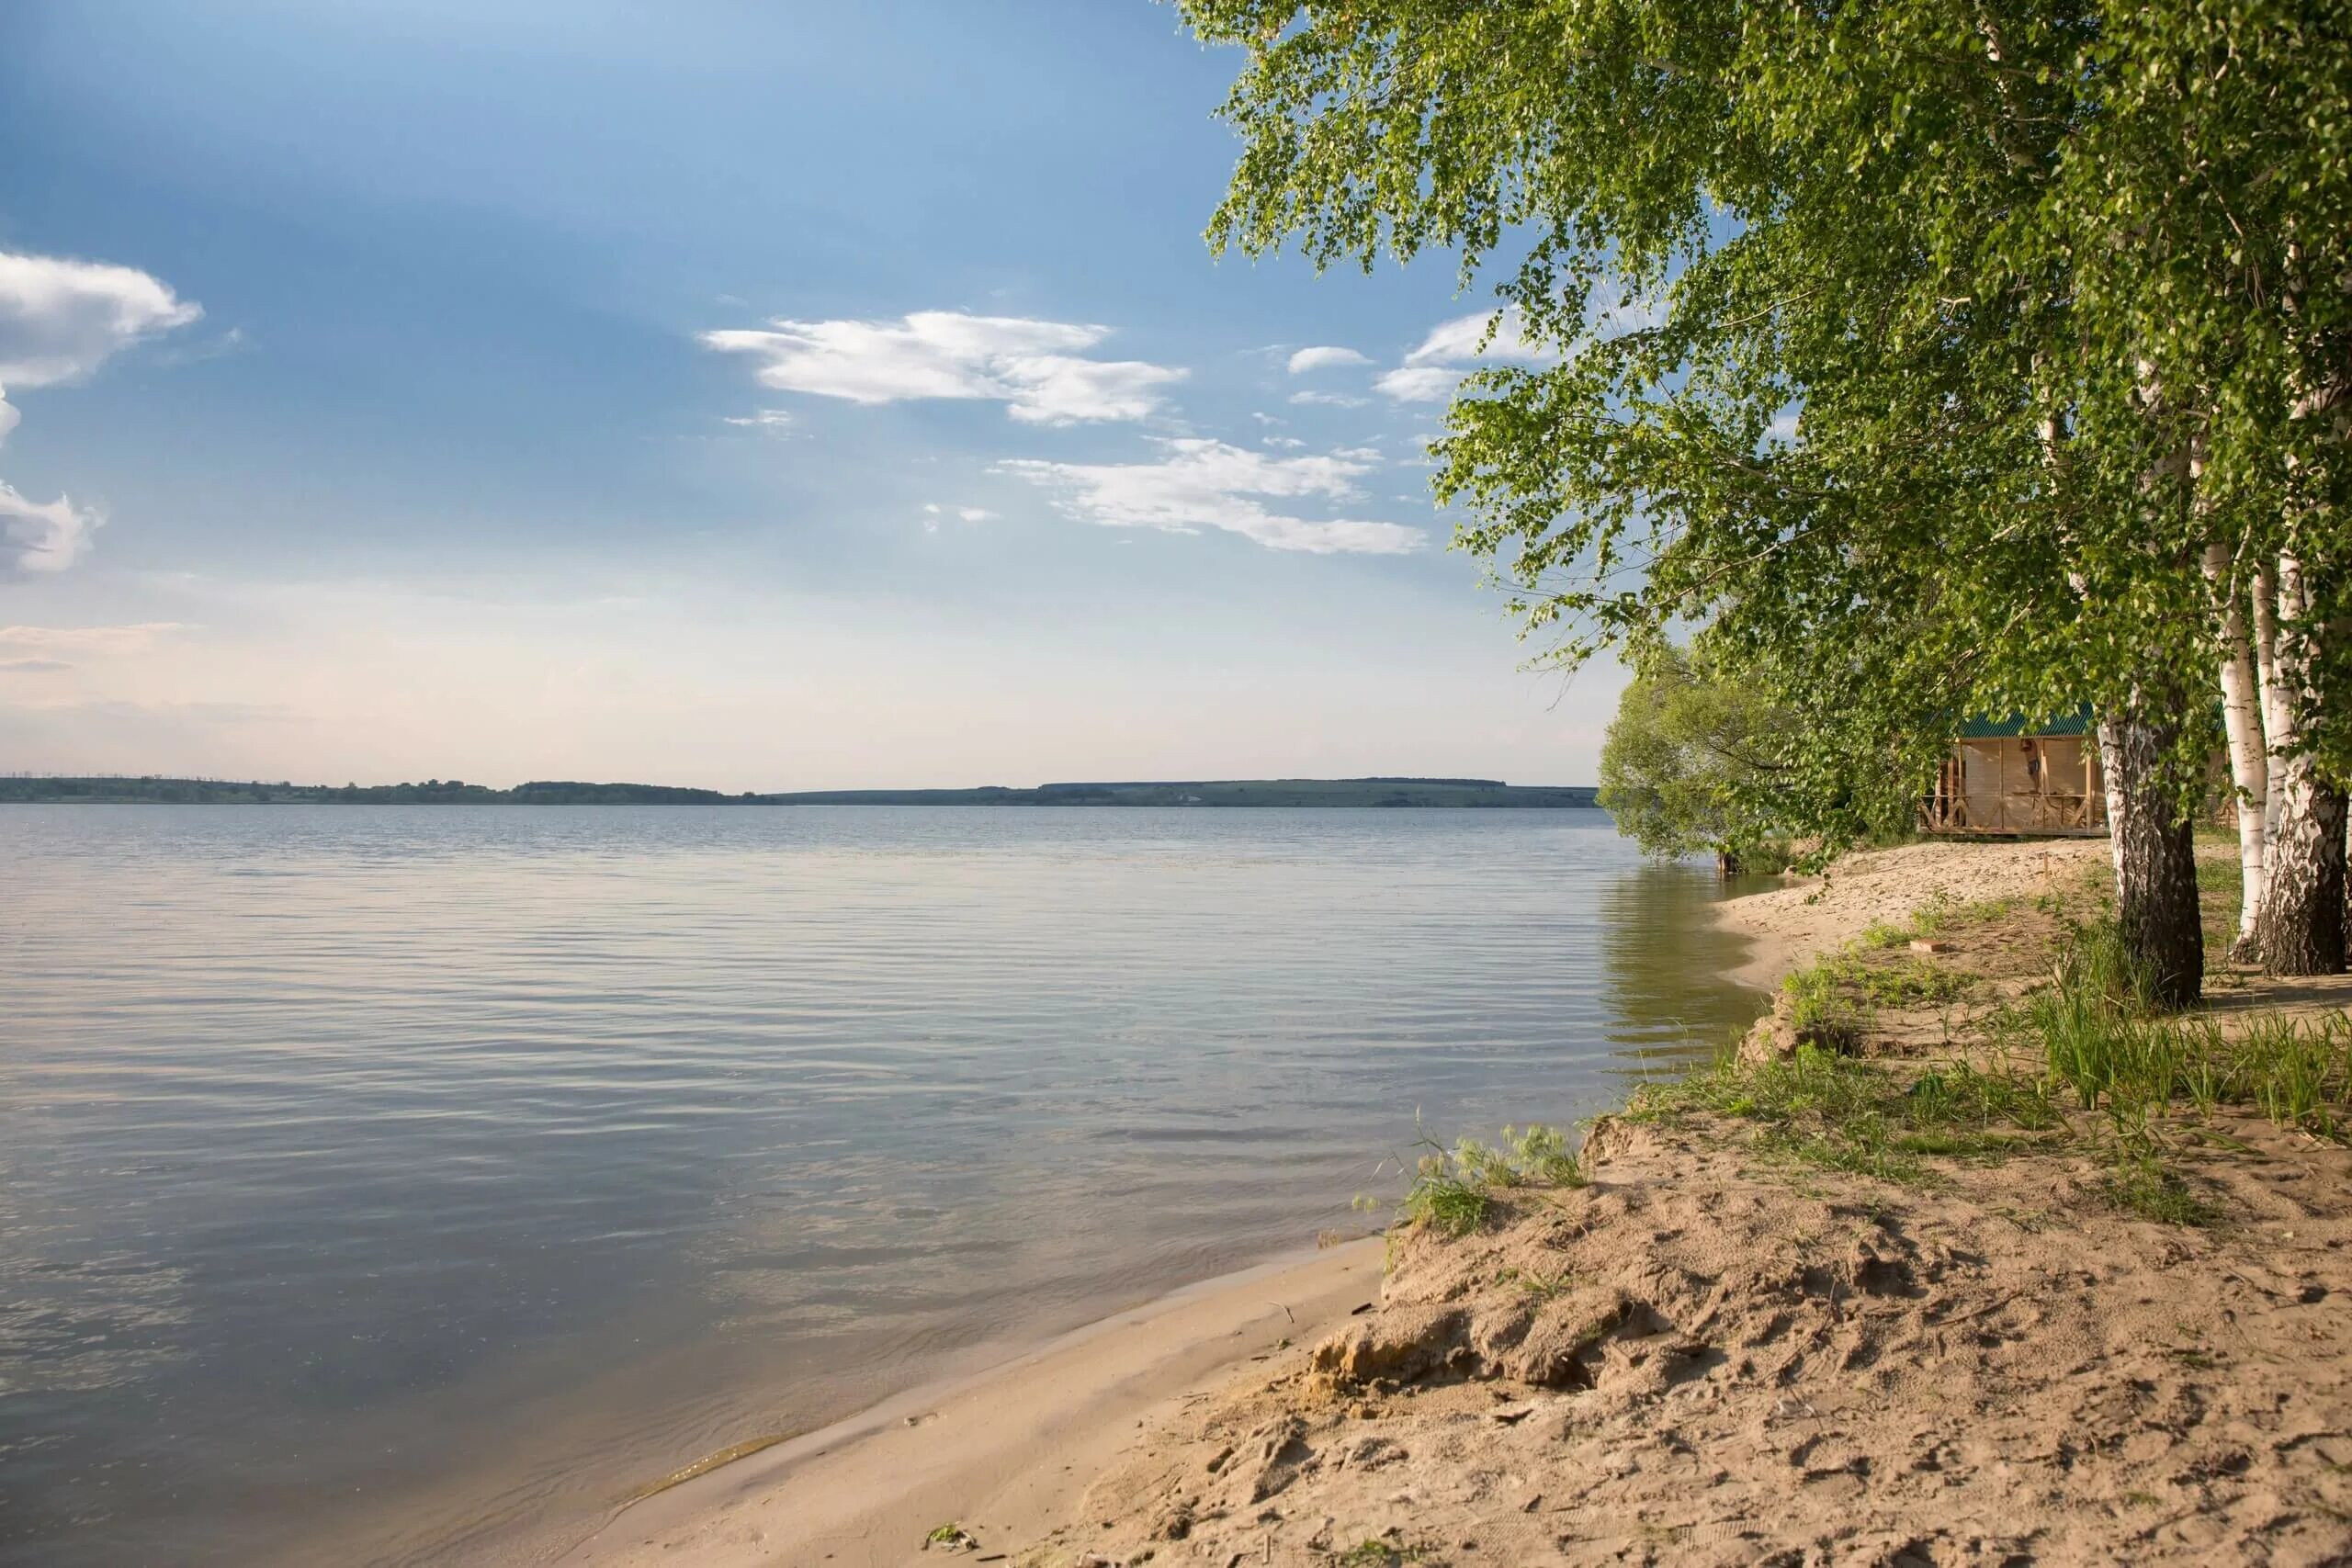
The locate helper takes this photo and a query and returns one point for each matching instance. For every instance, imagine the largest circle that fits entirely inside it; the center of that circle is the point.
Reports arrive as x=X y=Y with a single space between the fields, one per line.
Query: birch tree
x=1983 y=355
x=1841 y=427
x=2209 y=204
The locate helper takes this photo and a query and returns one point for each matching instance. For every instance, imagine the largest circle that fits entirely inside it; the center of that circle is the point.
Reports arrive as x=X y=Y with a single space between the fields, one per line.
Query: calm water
x=420 y=1180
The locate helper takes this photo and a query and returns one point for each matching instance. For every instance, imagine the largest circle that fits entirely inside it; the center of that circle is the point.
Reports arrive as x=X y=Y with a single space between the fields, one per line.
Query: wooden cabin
x=2009 y=779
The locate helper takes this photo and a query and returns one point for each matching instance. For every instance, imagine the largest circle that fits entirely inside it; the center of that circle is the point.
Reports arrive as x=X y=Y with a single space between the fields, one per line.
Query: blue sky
x=757 y=396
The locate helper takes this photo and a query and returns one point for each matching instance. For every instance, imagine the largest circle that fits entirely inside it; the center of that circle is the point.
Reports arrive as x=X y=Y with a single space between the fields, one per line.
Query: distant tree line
x=1382 y=792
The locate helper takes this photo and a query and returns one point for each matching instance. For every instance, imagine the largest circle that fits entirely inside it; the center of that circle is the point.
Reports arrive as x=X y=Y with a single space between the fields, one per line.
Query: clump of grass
x=1938 y=915
x=1375 y=1552
x=1819 y=1108
x=2105 y=1042
x=1832 y=1001
x=1542 y=1287
x=2144 y=1185
x=1453 y=1189
x=951 y=1536
x=2102 y=1039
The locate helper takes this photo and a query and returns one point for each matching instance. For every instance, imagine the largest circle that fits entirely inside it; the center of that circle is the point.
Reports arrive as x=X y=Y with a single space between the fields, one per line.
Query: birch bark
x=2300 y=930
x=2156 y=857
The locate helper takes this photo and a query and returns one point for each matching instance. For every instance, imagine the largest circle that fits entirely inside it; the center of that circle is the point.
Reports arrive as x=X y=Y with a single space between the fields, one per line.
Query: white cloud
x=1203 y=484
x=136 y=638
x=42 y=535
x=1458 y=342
x=1325 y=357
x=975 y=514
x=1032 y=367
x=61 y=320
x=1453 y=348
x=1287 y=443
x=761 y=419
x=1418 y=383
x=1328 y=399
x=33 y=666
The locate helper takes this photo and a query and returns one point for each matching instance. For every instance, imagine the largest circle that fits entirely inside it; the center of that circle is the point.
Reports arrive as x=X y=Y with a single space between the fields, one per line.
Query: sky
x=743 y=395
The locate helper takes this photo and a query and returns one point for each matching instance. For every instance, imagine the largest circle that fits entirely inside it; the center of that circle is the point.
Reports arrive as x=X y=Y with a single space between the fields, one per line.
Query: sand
x=1003 y=1454
x=1701 y=1357
x=1812 y=914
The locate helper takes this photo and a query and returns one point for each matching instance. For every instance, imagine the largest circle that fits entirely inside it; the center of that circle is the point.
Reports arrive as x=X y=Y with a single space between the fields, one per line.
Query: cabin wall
x=2019 y=784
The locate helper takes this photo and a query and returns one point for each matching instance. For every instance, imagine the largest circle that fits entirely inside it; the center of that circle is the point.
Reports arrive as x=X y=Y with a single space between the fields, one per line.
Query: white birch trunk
x=2274 y=692
x=2301 y=928
x=2241 y=719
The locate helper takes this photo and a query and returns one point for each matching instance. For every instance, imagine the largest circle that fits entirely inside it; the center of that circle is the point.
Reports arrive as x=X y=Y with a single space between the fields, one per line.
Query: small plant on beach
x=1819 y=1108
x=1542 y=1287
x=2102 y=1041
x=951 y=1536
x=2144 y=1185
x=1453 y=1189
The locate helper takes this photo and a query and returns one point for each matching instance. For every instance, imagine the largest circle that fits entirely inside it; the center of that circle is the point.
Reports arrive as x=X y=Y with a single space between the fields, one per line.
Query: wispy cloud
x=770 y=420
x=33 y=666
x=43 y=535
x=1199 y=483
x=59 y=319
x=1034 y=367
x=1496 y=335
x=933 y=511
x=1455 y=347
x=137 y=638
x=1328 y=399
x=1324 y=358
x=1418 y=383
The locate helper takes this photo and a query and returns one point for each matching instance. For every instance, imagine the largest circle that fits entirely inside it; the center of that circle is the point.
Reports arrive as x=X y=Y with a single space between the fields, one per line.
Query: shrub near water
x=1453 y=1189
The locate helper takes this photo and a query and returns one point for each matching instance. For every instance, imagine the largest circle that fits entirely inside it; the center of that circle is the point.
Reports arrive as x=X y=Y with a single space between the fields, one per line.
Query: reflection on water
x=409 y=1178
x=1668 y=998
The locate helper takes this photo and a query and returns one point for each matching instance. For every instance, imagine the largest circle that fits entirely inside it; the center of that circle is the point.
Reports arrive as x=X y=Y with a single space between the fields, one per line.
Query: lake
x=404 y=1185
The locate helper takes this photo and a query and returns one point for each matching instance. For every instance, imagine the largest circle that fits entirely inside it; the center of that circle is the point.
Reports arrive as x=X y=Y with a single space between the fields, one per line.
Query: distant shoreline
x=1375 y=792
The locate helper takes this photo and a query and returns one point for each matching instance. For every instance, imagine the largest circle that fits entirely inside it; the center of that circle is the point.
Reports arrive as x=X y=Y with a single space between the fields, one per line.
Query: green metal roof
x=2076 y=723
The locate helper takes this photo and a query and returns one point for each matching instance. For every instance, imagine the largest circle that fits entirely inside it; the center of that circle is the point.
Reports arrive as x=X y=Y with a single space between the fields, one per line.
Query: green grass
x=2114 y=1052
x=1378 y=1553
x=1821 y=1109
x=1939 y=916
x=2113 y=1075
x=1833 y=1000
x=2144 y=1185
x=1454 y=1189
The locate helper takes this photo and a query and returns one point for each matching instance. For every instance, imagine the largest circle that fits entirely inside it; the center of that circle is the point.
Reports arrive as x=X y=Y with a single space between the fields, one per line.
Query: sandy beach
x=1699 y=1354
x=1004 y=1454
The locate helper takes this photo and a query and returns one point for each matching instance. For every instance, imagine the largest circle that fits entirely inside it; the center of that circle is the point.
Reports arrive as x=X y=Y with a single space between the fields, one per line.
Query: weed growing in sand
x=1453 y=1189
x=1822 y=1109
x=1377 y=1553
x=1832 y=1001
x=1542 y=1287
x=1939 y=915
x=2142 y=1184
x=2102 y=1041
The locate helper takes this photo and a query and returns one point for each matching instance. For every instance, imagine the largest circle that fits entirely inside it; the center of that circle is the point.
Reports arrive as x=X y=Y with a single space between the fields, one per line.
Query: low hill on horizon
x=1363 y=792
